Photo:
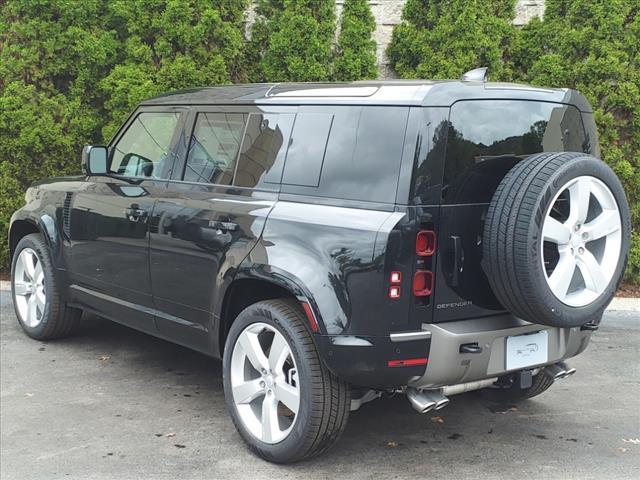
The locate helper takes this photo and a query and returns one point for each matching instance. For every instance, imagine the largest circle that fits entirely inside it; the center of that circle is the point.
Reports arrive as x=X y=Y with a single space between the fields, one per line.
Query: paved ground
x=114 y=403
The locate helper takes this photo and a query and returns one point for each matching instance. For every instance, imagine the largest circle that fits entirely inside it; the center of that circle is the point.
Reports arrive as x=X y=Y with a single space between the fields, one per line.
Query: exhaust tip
x=425 y=401
x=556 y=372
x=420 y=402
x=559 y=371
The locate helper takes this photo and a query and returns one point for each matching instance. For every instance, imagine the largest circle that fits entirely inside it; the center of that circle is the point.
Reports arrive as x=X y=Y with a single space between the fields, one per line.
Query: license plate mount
x=527 y=350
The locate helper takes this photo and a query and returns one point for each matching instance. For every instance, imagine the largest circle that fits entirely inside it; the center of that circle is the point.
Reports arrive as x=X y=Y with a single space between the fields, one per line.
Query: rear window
x=486 y=138
x=350 y=153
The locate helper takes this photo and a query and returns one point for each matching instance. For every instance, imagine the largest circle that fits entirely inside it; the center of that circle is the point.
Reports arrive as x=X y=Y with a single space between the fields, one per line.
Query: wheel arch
x=256 y=284
x=20 y=229
x=23 y=225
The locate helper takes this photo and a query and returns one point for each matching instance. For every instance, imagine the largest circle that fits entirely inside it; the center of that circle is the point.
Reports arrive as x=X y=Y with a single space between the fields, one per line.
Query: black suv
x=335 y=242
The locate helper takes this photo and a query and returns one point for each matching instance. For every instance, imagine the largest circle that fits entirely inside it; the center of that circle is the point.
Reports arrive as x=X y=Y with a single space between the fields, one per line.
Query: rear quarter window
x=353 y=153
x=486 y=138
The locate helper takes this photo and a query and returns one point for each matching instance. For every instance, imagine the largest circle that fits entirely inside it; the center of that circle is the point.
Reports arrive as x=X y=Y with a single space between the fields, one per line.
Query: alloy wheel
x=29 y=288
x=264 y=383
x=582 y=240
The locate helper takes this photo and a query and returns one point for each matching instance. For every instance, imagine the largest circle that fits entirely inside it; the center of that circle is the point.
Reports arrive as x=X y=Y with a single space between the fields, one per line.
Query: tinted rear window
x=486 y=138
x=351 y=153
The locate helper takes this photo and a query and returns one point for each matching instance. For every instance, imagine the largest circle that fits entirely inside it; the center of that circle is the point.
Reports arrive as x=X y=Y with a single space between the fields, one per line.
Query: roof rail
x=475 y=75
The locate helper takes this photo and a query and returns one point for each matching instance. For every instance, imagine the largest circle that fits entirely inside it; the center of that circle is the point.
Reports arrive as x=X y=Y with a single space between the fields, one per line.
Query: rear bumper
x=448 y=366
x=364 y=360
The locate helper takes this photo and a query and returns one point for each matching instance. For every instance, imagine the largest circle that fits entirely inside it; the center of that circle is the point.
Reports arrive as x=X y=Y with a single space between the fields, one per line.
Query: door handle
x=134 y=213
x=223 y=227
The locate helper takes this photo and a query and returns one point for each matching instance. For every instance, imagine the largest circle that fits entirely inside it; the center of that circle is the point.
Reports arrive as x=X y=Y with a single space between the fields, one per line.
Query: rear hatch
x=480 y=141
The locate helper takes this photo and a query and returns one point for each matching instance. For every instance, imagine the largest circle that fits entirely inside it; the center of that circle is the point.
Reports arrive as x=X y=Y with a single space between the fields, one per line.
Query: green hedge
x=70 y=71
x=292 y=40
x=356 y=50
x=445 y=38
x=590 y=45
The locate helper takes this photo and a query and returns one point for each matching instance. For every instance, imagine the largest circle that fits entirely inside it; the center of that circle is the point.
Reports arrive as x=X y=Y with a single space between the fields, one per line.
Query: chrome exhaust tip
x=420 y=402
x=559 y=371
x=442 y=403
x=425 y=401
x=555 y=371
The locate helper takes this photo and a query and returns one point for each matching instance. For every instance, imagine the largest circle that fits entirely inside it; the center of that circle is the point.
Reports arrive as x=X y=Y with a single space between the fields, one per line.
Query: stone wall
x=388 y=13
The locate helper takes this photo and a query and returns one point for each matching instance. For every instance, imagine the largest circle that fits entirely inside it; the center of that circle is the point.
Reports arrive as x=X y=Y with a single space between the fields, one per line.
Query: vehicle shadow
x=384 y=428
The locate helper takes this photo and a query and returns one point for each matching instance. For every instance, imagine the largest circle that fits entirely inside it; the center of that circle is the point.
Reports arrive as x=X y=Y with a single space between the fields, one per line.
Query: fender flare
x=46 y=225
x=276 y=276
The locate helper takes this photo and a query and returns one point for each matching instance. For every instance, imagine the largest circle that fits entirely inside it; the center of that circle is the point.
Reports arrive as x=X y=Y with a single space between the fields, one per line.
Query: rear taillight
x=395 y=279
x=425 y=243
x=422 y=283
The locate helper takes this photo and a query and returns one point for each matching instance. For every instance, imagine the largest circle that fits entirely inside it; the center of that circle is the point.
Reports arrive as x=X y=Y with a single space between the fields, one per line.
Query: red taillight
x=422 y=283
x=409 y=362
x=310 y=316
x=425 y=243
x=394 y=292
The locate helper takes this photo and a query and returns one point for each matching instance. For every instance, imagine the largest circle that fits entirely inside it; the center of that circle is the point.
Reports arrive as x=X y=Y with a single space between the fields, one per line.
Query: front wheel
x=40 y=309
x=284 y=402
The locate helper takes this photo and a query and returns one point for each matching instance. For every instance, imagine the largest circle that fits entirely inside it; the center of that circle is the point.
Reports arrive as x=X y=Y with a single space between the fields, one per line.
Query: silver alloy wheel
x=264 y=383
x=29 y=288
x=582 y=239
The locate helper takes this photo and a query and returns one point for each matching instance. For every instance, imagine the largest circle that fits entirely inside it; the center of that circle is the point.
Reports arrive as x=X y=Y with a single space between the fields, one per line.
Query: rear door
x=485 y=139
x=108 y=224
x=212 y=213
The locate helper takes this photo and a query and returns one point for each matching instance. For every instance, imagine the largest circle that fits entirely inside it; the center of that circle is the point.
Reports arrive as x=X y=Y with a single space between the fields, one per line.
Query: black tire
x=514 y=394
x=324 y=399
x=513 y=238
x=58 y=319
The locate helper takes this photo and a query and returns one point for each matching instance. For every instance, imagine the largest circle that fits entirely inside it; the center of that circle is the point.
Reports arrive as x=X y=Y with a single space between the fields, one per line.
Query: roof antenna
x=475 y=75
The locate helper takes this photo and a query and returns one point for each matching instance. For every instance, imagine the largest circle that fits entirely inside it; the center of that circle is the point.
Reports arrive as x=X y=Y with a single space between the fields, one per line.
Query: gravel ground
x=114 y=403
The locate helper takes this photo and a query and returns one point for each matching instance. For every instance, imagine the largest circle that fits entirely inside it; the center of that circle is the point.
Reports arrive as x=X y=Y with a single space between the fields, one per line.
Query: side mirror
x=94 y=160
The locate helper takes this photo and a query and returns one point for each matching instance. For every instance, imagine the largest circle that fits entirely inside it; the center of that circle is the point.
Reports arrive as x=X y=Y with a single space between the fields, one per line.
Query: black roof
x=440 y=93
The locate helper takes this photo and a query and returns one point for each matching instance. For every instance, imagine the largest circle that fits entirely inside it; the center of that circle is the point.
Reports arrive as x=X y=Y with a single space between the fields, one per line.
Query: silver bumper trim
x=448 y=366
x=409 y=336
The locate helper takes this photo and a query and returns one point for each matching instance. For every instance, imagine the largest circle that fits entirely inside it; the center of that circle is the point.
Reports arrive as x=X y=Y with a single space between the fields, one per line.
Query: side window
x=307 y=149
x=214 y=148
x=144 y=149
x=364 y=153
x=263 y=150
x=351 y=153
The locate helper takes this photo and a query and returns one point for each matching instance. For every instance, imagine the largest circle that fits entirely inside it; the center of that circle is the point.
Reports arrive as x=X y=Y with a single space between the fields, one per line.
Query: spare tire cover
x=556 y=239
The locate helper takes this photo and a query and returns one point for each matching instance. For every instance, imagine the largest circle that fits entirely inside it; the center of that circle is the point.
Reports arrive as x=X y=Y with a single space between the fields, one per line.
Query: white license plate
x=527 y=350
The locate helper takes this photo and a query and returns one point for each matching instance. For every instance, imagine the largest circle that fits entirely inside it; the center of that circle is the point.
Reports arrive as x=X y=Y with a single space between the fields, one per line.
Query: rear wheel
x=41 y=311
x=284 y=402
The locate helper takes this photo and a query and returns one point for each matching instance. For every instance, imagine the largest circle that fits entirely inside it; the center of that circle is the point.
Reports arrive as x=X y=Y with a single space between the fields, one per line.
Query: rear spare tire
x=556 y=239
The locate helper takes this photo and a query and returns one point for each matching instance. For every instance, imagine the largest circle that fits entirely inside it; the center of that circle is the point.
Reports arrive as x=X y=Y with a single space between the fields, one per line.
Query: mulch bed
x=628 y=290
